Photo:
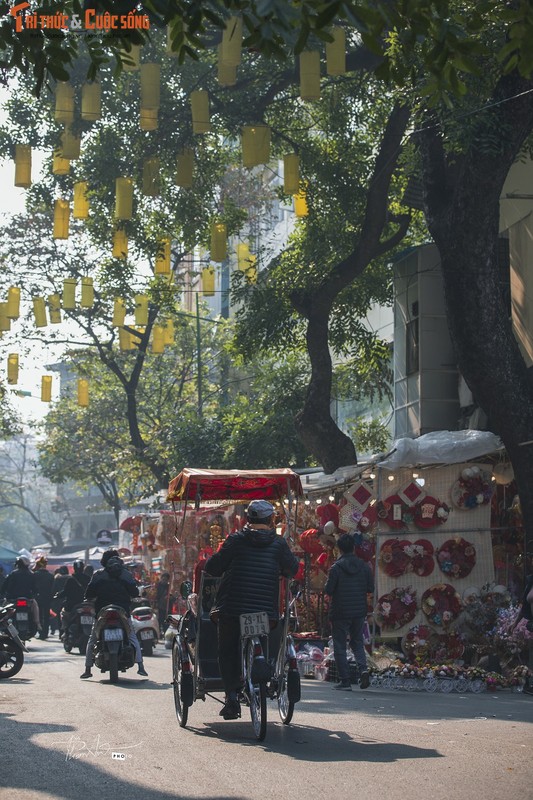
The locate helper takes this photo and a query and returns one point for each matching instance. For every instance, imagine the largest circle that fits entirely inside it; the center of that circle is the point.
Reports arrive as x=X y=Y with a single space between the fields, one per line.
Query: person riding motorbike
x=73 y=592
x=21 y=583
x=250 y=563
x=112 y=585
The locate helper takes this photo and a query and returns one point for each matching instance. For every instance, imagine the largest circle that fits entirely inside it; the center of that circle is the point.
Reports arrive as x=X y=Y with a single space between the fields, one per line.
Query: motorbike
x=24 y=622
x=12 y=648
x=146 y=626
x=79 y=627
x=113 y=650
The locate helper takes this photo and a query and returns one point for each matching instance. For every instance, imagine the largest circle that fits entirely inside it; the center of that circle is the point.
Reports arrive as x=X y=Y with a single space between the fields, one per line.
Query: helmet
x=78 y=565
x=259 y=511
x=22 y=561
x=107 y=555
x=114 y=566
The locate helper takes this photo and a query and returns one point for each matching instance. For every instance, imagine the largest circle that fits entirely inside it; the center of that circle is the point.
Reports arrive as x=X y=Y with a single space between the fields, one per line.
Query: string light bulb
x=372 y=476
x=391 y=477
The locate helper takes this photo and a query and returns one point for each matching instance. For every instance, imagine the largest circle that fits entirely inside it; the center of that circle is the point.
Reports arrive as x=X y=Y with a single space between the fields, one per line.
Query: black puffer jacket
x=349 y=581
x=251 y=563
x=19 y=583
x=107 y=590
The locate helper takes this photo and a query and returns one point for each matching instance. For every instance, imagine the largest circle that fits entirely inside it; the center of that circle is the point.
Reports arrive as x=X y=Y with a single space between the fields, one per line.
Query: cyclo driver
x=250 y=563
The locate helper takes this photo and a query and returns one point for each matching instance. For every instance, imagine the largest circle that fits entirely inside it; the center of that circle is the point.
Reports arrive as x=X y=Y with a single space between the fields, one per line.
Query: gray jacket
x=349 y=580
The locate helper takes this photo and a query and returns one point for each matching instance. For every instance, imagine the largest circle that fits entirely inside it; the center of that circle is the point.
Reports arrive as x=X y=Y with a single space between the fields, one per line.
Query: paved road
x=58 y=734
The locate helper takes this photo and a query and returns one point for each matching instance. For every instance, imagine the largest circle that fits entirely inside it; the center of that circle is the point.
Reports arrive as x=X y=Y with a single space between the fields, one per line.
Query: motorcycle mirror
x=185 y=589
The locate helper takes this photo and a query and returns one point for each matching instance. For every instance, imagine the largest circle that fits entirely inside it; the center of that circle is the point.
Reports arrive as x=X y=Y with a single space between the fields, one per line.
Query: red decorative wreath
x=395 y=513
x=456 y=557
x=400 y=556
x=396 y=608
x=474 y=488
x=441 y=604
x=430 y=512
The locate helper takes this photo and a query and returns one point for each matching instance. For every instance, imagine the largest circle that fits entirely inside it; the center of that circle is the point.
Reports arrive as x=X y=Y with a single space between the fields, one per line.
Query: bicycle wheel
x=256 y=696
x=11 y=658
x=285 y=706
x=182 y=708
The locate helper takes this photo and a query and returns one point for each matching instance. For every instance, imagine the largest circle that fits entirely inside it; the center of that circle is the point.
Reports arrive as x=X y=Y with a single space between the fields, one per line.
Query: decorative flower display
x=395 y=512
x=456 y=557
x=430 y=512
x=425 y=644
x=474 y=488
x=441 y=604
x=354 y=519
x=396 y=608
x=400 y=556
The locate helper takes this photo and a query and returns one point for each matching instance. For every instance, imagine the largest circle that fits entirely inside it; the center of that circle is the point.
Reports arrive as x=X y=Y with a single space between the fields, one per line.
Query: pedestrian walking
x=44 y=589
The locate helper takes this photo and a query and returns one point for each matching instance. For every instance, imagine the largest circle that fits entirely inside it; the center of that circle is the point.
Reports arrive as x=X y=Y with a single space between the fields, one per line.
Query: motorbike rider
x=21 y=583
x=112 y=585
x=73 y=592
x=250 y=563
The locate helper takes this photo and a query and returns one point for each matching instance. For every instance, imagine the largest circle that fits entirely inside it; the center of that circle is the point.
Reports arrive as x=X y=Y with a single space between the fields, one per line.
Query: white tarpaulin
x=441 y=447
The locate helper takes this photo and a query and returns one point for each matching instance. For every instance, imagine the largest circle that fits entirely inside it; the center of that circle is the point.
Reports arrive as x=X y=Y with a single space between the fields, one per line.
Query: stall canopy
x=7 y=557
x=234 y=484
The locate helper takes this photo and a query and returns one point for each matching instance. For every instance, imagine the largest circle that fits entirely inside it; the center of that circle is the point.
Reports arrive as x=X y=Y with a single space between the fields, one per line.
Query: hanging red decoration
x=430 y=512
x=310 y=543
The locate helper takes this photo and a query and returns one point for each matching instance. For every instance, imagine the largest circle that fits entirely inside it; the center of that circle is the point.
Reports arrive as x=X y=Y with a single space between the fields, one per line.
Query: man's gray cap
x=259 y=509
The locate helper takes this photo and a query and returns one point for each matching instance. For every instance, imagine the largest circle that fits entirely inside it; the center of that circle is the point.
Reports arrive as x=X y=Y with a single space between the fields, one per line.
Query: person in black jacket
x=112 y=585
x=21 y=583
x=74 y=592
x=250 y=563
x=349 y=581
x=44 y=588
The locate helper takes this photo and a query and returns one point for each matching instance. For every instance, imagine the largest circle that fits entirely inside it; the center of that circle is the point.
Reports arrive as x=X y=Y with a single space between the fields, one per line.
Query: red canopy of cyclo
x=234 y=484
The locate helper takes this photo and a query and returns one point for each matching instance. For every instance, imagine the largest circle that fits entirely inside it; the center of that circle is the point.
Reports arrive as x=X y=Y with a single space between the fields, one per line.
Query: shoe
x=230 y=710
x=141 y=671
x=87 y=673
x=347 y=687
x=364 y=680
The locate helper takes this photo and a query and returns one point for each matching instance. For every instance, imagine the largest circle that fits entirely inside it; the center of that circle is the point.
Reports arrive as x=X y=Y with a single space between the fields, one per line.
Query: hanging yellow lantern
x=131 y=59
x=243 y=256
x=162 y=260
x=300 y=204
x=120 y=243
x=149 y=119
x=141 y=309
x=54 y=308
x=200 y=111
x=83 y=392
x=123 y=198
x=46 y=388
x=184 y=168
x=125 y=340
x=151 y=177
x=219 y=241
x=80 y=209
x=61 y=219
x=70 y=144
x=39 y=312
x=23 y=165
x=291 y=173
x=119 y=312
x=5 y=322
x=226 y=73
x=336 y=52
x=169 y=332
x=87 y=293
x=208 y=281
x=91 y=101
x=150 y=86
x=158 y=339
x=13 y=302
x=60 y=166
x=231 y=45
x=69 y=294
x=13 y=368
x=64 y=105
x=255 y=142
x=310 y=75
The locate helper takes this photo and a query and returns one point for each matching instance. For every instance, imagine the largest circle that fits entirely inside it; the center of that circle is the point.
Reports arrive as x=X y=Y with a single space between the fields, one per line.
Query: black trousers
x=229 y=654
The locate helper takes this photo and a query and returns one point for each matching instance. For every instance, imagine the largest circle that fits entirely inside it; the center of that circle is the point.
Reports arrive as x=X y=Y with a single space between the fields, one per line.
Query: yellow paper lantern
x=54 y=308
x=61 y=219
x=5 y=322
x=169 y=332
x=310 y=75
x=162 y=260
x=131 y=59
x=150 y=86
x=141 y=309
x=12 y=368
x=158 y=339
x=69 y=294
x=80 y=209
x=300 y=204
x=39 y=312
x=185 y=168
x=46 y=388
x=87 y=293
x=255 y=142
x=291 y=173
x=91 y=101
x=151 y=168
x=336 y=52
x=64 y=105
x=200 y=111
x=219 y=241
x=13 y=302
x=23 y=165
x=120 y=243
x=70 y=144
x=208 y=281
x=119 y=312
x=231 y=45
x=125 y=340
x=243 y=256
x=226 y=73
x=60 y=166
x=123 y=198
x=149 y=119
x=83 y=392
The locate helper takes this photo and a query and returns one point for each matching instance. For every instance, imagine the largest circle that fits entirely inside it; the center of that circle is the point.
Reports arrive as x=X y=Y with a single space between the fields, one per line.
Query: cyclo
x=268 y=656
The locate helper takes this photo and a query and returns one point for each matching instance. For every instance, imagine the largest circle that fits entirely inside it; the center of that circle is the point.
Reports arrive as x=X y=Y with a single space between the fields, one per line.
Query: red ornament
x=395 y=512
x=310 y=543
x=430 y=512
x=328 y=512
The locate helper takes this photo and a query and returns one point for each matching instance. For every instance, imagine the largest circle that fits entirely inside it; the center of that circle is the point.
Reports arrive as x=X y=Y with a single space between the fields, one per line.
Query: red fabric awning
x=234 y=484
